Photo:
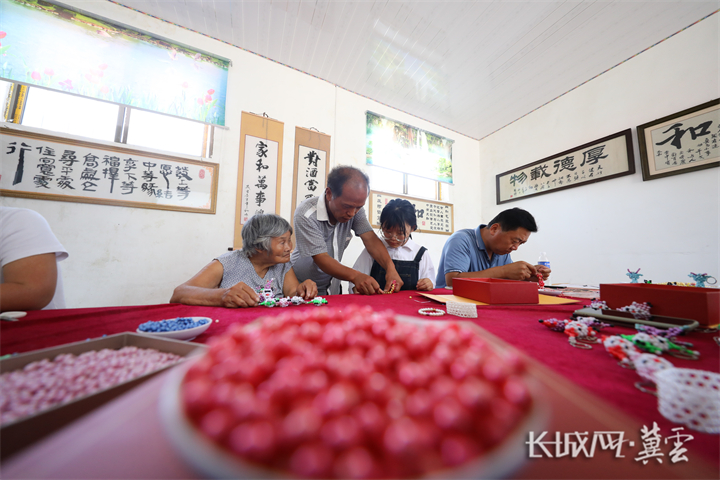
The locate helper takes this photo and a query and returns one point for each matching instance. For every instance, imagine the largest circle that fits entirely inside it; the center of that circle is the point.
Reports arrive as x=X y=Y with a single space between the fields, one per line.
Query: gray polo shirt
x=314 y=235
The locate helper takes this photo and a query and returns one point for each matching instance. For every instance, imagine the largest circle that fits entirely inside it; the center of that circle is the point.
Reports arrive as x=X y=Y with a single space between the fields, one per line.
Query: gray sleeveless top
x=238 y=268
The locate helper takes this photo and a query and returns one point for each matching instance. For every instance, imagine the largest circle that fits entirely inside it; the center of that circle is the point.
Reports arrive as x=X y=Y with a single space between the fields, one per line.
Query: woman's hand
x=307 y=290
x=239 y=295
x=424 y=284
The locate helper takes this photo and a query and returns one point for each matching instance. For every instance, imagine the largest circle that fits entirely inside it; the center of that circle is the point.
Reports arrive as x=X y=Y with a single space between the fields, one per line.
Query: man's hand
x=307 y=290
x=519 y=271
x=239 y=295
x=543 y=270
x=366 y=285
x=392 y=276
x=424 y=284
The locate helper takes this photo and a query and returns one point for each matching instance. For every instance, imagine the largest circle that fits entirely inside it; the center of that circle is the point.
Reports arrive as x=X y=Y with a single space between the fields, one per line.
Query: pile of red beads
x=354 y=394
x=46 y=383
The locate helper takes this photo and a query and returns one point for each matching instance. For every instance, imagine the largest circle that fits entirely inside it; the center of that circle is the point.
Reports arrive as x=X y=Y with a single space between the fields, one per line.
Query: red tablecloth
x=518 y=325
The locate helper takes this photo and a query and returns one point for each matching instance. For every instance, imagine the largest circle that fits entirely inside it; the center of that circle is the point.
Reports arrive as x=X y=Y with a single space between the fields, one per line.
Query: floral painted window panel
x=49 y=46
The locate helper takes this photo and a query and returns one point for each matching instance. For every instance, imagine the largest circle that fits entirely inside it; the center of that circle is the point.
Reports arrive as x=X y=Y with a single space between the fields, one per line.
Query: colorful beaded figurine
x=658 y=345
x=580 y=335
x=266 y=293
x=270 y=302
x=638 y=310
x=317 y=301
x=620 y=348
x=634 y=276
x=701 y=278
x=554 y=324
x=599 y=305
x=541 y=282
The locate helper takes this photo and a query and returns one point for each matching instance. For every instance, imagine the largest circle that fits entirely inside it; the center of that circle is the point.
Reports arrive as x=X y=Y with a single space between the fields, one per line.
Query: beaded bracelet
x=431 y=312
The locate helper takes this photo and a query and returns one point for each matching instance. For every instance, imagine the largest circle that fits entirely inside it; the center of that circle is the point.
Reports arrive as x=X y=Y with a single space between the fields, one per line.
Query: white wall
x=126 y=256
x=667 y=227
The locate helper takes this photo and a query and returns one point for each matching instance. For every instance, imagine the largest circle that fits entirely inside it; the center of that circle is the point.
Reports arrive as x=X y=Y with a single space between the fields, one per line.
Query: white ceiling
x=470 y=66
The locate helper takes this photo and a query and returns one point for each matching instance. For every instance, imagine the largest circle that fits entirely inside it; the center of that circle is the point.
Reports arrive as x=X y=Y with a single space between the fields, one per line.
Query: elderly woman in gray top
x=233 y=279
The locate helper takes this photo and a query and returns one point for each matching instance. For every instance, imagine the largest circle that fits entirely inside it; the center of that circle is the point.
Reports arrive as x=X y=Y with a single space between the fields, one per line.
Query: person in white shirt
x=412 y=261
x=30 y=277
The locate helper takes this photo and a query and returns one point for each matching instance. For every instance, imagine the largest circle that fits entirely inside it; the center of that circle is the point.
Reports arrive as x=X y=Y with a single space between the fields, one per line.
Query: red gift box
x=701 y=304
x=495 y=290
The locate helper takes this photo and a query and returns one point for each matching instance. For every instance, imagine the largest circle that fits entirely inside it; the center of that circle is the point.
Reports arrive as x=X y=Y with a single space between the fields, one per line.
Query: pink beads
x=355 y=394
x=45 y=383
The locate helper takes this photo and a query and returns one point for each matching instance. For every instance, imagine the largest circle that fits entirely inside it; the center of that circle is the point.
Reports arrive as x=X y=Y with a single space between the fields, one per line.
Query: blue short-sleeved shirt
x=465 y=252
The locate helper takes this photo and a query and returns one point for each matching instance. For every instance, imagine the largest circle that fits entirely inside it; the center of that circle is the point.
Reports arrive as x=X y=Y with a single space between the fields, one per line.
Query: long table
x=592 y=370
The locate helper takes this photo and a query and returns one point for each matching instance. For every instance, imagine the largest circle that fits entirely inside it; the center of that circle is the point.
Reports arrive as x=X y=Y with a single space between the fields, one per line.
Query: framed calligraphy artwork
x=47 y=167
x=680 y=143
x=312 y=150
x=432 y=216
x=259 y=169
x=603 y=159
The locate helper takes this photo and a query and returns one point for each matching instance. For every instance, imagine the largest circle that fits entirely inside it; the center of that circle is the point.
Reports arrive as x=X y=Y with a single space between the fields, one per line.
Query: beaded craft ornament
x=638 y=310
x=580 y=331
x=621 y=349
x=287 y=301
x=464 y=310
x=634 y=276
x=701 y=278
x=658 y=345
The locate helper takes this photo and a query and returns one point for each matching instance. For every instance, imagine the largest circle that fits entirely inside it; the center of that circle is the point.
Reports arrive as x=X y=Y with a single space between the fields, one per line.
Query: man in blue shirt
x=485 y=251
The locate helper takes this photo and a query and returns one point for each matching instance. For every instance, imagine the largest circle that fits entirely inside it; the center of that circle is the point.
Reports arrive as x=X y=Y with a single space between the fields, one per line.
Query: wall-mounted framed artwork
x=259 y=169
x=432 y=216
x=683 y=142
x=603 y=159
x=312 y=153
x=46 y=167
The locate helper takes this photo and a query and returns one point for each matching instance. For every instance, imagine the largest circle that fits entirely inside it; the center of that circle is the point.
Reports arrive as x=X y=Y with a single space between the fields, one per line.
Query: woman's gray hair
x=259 y=230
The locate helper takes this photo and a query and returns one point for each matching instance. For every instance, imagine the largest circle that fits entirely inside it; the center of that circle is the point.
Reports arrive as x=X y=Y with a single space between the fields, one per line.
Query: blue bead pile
x=173 y=325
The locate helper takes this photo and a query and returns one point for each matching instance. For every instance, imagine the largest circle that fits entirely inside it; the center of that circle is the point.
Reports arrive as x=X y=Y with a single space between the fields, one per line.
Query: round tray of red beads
x=352 y=394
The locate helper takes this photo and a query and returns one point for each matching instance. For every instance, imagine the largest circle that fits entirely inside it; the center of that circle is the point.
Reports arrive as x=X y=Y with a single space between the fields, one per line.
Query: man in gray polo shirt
x=323 y=230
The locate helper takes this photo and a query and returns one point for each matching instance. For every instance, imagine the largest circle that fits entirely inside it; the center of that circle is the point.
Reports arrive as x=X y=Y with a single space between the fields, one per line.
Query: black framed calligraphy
x=432 y=216
x=683 y=142
x=47 y=167
x=604 y=159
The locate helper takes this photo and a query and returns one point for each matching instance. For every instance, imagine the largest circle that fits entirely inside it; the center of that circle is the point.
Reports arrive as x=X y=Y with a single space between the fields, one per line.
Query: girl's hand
x=424 y=284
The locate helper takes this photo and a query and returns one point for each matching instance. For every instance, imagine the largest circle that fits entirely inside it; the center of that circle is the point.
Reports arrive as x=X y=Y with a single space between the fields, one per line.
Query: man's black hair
x=513 y=219
x=396 y=214
x=340 y=175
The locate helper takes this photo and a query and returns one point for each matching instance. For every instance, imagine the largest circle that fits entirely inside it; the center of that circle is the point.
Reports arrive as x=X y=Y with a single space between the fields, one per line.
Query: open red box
x=495 y=290
x=701 y=304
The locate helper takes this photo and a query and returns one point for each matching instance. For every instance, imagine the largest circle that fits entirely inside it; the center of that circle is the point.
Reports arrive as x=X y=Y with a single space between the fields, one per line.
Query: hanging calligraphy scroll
x=45 y=167
x=680 y=143
x=432 y=217
x=609 y=157
x=312 y=150
x=259 y=169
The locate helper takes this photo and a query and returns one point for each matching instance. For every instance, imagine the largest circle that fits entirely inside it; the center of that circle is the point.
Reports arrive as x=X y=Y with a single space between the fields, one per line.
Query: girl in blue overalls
x=412 y=261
